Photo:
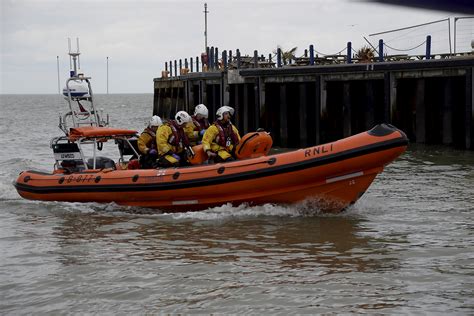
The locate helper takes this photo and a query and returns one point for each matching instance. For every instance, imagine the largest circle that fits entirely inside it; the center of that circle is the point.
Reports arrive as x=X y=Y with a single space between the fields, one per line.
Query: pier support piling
x=346 y=110
x=420 y=111
x=469 y=109
x=447 y=113
x=303 y=133
x=283 y=115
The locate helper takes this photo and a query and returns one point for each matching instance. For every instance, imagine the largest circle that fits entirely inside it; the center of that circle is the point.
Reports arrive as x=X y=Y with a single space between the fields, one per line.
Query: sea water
x=406 y=247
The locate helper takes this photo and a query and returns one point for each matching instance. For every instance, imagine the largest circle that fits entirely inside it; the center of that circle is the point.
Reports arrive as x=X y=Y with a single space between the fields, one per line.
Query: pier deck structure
x=310 y=101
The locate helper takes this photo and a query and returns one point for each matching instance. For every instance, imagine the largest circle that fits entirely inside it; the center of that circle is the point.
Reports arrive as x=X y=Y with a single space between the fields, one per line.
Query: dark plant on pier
x=365 y=54
x=286 y=56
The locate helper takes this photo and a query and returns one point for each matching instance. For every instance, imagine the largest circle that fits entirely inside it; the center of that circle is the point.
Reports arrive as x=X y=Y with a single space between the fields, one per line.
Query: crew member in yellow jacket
x=220 y=138
x=172 y=139
x=199 y=123
x=147 y=143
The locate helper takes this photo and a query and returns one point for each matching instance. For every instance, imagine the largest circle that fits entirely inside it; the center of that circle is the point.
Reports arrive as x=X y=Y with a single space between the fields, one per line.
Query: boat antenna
x=78 y=59
x=59 y=84
x=69 y=45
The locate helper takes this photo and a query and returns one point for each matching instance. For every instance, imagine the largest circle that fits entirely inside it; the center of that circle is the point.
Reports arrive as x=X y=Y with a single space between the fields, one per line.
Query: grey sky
x=140 y=35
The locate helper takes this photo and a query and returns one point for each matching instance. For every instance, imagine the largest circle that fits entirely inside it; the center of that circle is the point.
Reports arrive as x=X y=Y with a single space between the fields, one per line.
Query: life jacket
x=201 y=124
x=152 y=142
x=179 y=138
x=226 y=135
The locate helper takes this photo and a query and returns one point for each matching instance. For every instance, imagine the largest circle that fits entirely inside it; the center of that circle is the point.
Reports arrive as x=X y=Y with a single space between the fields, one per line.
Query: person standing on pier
x=199 y=124
x=173 y=141
x=221 y=138
x=147 y=143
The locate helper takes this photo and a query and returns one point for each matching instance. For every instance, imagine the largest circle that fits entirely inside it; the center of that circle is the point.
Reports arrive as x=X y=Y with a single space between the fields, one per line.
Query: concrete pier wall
x=431 y=100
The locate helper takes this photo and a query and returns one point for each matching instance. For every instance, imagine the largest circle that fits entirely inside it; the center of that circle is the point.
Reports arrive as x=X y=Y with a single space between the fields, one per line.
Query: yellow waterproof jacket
x=163 y=135
x=193 y=135
x=145 y=141
x=209 y=141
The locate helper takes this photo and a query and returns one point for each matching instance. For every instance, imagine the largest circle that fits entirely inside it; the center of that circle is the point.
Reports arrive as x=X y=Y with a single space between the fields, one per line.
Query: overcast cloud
x=140 y=35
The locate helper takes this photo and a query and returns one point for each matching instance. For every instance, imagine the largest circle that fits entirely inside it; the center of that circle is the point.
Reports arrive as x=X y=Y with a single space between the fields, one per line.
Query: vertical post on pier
x=317 y=108
x=224 y=59
x=380 y=49
x=447 y=113
x=230 y=56
x=180 y=67
x=255 y=59
x=278 y=57
x=186 y=63
x=257 y=104
x=388 y=85
x=346 y=110
x=349 y=52
x=225 y=89
x=369 y=106
x=191 y=63
x=283 y=117
x=420 y=108
x=238 y=58
x=171 y=68
x=303 y=114
x=236 y=104
x=469 y=110
x=311 y=55
x=211 y=58
x=197 y=64
x=175 y=68
x=428 y=47
x=216 y=57
x=245 y=112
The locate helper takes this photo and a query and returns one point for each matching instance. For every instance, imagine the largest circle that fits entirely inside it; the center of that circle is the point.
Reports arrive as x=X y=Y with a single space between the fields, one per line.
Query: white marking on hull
x=185 y=202
x=345 y=177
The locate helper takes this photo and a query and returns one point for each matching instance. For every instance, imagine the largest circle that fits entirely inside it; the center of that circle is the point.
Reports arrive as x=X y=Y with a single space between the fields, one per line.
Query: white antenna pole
x=78 y=59
x=59 y=87
x=205 y=26
x=69 y=44
x=107 y=74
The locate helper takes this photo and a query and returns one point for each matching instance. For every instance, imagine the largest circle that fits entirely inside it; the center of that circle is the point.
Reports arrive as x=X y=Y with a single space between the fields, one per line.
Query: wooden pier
x=430 y=99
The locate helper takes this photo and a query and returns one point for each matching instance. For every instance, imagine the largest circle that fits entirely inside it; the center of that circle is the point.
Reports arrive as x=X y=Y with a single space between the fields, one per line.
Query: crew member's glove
x=176 y=157
x=152 y=151
x=211 y=154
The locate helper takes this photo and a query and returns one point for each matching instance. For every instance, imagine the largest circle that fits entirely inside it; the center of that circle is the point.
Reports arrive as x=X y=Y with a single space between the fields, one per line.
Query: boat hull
x=333 y=175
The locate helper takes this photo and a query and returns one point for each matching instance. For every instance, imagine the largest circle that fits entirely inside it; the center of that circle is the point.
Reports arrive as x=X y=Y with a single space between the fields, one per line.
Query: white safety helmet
x=155 y=121
x=220 y=111
x=182 y=117
x=201 y=109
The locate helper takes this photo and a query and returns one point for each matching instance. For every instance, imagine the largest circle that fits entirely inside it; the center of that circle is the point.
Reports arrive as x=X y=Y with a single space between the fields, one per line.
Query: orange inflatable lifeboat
x=335 y=174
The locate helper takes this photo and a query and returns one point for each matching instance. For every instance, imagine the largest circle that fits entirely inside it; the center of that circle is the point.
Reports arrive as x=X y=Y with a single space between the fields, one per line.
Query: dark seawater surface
x=406 y=247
